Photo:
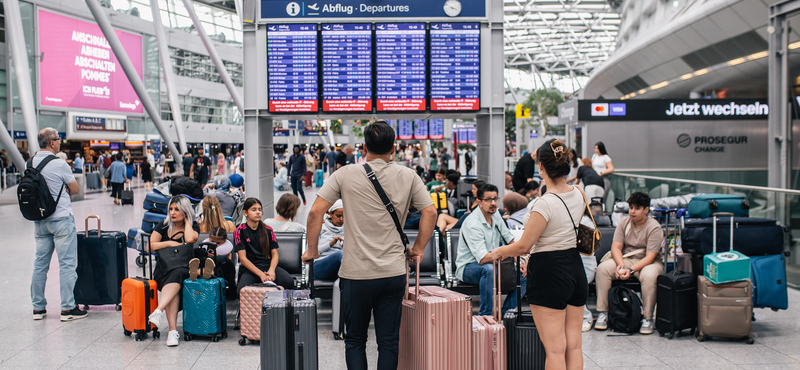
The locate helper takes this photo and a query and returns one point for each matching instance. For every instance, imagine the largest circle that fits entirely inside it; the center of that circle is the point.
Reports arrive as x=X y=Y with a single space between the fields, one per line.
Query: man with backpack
x=46 y=176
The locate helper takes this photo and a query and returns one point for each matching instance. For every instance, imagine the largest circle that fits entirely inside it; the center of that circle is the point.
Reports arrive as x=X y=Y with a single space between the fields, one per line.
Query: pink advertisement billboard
x=79 y=70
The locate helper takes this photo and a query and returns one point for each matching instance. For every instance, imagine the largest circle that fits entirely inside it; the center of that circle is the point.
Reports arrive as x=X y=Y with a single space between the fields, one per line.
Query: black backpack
x=35 y=201
x=624 y=310
x=241 y=164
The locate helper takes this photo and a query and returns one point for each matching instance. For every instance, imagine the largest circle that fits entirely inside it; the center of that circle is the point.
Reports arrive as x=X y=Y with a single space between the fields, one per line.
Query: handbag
x=586 y=238
x=171 y=258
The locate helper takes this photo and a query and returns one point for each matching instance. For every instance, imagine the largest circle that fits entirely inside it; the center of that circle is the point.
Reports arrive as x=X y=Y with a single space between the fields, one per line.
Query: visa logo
x=616 y=109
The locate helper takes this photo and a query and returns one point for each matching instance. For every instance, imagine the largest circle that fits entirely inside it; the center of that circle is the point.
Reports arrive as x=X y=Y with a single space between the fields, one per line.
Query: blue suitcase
x=132 y=232
x=150 y=220
x=702 y=206
x=769 y=282
x=155 y=202
x=204 y=309
x=320 y=176
x=92 y=180
x=754 y=236
x=102 y=265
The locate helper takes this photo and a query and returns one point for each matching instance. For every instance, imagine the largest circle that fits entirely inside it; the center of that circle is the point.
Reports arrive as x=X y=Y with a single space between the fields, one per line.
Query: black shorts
x=557 y=279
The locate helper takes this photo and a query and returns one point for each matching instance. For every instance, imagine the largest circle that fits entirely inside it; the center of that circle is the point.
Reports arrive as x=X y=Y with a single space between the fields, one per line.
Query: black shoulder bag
x=178 y=256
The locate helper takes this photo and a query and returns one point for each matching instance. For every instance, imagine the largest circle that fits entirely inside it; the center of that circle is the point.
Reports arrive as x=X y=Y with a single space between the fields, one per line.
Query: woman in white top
x=557 y=287
x=287 y=208
x=281 y=179
x=574 y=163
x=331 y=241
x=601 y=163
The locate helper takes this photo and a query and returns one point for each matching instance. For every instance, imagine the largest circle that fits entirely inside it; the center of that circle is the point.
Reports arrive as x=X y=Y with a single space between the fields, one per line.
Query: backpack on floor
x=35 y=201
x=624 y=310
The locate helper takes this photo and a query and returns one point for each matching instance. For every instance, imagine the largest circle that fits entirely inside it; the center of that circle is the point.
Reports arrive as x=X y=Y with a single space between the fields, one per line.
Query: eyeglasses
x=490 y=200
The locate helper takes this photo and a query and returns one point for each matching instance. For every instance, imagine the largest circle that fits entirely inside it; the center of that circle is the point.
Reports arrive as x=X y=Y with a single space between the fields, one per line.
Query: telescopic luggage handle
x=714 y=229
x=496 y=291
x=87 y=225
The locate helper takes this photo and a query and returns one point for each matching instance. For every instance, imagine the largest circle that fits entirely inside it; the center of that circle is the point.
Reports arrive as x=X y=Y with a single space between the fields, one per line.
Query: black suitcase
x=754 y=236
x=127 y=196
x=525 y=349
x=289 y=331
x=676 y=301
x=102 y=265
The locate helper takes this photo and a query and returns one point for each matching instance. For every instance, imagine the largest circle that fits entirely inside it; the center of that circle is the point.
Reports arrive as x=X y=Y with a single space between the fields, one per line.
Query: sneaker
x=73 y=314
x=172 y=338
x=208 y=269
x=38 y=315
x=602 y=321
x=647 y=327
x=587 y=325
x=194 y=265
x=158 y=318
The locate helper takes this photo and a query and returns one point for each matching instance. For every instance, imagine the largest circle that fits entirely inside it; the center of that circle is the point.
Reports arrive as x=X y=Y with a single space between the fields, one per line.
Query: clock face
x=452 y=8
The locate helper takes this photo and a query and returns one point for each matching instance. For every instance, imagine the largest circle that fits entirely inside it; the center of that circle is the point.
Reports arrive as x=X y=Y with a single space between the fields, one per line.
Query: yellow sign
x=523 y=112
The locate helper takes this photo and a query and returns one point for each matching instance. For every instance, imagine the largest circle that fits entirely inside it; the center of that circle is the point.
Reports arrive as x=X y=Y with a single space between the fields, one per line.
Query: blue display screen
x=455 y=66
x=292 y=67
x=400 y=66
x=346 y=67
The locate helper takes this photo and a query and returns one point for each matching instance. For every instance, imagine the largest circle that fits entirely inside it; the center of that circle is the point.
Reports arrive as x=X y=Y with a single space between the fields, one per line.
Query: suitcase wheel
x=691 y=332
x=338 y=336
x=750 y=340
x=774 y=309
x=242 y=341
x=140 y=261
x=127 y=333
x=224 y=333
x=140 y=336
x=671 y=335
x=701 y=338
x=187 y=337
x=86 y=307
x=156 y=334
x=118 y=308
x=215 y=338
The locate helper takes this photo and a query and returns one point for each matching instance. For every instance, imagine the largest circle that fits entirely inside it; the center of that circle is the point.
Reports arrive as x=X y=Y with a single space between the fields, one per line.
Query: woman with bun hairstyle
x=257 y=247
x=557 y=287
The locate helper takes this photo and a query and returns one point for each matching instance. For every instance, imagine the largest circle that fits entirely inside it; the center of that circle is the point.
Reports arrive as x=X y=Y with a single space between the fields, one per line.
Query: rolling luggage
x=139 y=300
x=251 y=299
x=304 y=341
x=422 y=338
x=769 y=282
x=289 y=331
x=337 y=314
x=155 y=202
x=150 y=220
x=725 y=267
x=702 y=206
x=754 y=236
x=489 y=334
x=93 y=180
x=439 y=199
x=127 y=196
x=204 y=309
x=676 y=301
x=724 y=310
x=308 y=177
x=524 y=347
x=319 y=177
x=102 y=265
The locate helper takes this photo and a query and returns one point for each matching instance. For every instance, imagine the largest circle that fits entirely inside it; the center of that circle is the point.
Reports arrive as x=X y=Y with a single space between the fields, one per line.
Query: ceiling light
x=687 y=76
x=659 y=85
x=757 y=55
x=632 y=94
x=642 y=91
x=700 y=72
x=736 y=61
x=794 y=45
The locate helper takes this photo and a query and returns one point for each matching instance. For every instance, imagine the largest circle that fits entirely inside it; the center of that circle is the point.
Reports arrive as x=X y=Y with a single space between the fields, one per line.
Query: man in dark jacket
x=296 y=167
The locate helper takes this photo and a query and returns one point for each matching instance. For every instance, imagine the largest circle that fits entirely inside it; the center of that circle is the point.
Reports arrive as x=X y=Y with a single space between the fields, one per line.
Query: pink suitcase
x=435 y=329
x=489 y=335
x=250 y=302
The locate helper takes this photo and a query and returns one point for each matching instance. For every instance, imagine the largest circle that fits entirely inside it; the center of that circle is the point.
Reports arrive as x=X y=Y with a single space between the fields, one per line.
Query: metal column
x=166 y=66
x=125 y=62
x=258 y=168
x=212 y=52
x=491 y=131
x=22 y=71
x=8 y=144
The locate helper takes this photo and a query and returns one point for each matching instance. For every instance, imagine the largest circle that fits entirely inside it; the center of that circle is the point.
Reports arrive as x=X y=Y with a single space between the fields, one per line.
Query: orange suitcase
x=489 y=334
x=251 y=300
x=435 y=329
x=139 y=300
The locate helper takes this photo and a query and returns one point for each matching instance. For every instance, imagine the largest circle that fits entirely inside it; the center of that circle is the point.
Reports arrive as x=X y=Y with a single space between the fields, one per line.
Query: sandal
x=194 y=265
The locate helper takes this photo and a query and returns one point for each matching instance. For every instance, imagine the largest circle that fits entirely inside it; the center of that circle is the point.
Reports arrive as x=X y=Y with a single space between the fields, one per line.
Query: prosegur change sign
x=79 y=70
x=664 y=110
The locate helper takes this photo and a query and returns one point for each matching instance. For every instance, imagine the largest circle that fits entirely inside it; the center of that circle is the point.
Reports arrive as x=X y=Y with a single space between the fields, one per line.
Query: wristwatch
x=631 y=270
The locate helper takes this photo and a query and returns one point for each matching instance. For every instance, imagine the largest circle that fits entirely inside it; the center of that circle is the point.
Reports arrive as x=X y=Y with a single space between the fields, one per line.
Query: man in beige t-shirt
x=373 y=270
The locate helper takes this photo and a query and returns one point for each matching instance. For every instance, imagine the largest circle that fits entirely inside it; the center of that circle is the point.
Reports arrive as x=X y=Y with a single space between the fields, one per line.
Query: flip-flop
x=208 y=269
x=194 y=264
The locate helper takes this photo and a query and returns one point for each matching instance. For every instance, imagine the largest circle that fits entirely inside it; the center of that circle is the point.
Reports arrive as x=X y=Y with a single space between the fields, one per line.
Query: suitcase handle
x=87 y=225
x=714 y=229
x=416 y=283
x=497 y=291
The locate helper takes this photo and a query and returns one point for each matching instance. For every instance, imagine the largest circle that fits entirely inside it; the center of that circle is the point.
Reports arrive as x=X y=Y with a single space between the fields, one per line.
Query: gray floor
x=98 y=343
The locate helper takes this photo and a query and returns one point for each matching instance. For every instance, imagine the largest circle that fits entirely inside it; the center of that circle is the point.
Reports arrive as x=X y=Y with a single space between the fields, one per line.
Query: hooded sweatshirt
x=329 y=231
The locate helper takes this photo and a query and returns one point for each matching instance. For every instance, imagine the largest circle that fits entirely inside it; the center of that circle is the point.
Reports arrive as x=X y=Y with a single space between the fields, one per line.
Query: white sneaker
x=647 y=327
x=587 y=325
x=172 y=338
x=602 y=321
x=158 y=318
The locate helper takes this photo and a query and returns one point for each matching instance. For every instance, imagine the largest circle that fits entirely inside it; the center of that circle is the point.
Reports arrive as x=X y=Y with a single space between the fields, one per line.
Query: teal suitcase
x=702 y=206
x=725 y=267
x=204 y=309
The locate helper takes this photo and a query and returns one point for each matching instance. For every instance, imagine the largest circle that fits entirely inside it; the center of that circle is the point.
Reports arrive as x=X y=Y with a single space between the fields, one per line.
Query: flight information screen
x=400 y=66
x=292 y=67
x=347 y=67
x=455 y=66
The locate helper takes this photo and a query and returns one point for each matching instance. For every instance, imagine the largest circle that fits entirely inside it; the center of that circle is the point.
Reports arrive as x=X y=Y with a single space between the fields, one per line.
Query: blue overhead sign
x=287 y=9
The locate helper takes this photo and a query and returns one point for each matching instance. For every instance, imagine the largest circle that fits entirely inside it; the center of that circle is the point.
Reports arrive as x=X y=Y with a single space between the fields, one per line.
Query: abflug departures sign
x=672 y=110
x=310 y=9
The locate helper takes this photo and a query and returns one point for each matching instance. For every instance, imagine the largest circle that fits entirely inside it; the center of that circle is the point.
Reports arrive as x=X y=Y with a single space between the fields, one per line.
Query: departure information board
x=347 y=67
x=420 y=129
x=400 y=66
x=455 y=66
x=292 y=67
x=436 y=128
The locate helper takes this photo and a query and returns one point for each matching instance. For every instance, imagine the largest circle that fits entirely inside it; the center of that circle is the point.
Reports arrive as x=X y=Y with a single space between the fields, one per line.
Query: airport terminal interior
x=675 y=117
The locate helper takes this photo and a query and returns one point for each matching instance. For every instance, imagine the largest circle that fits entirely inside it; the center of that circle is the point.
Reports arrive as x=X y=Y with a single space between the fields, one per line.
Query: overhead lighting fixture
x=700 y=72
x=659 y=85
x=736 y=61
x=642 y=91
x=687 y=76
x=632 y=94
x=757 y=55
x=794 y=45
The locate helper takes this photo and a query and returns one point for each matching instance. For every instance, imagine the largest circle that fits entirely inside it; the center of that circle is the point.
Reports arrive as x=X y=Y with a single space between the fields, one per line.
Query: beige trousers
x=647 y=277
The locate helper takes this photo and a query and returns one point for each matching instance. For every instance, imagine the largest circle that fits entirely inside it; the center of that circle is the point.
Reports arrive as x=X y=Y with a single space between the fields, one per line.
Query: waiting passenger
x=635 y=251
x=287 y=208
x=213 y=217
x=438 y=180
x=482 y=232
x=221 y=254
x=515 y=206
x=177 y=229
x=117 y=178
x=531 y=190
x=281 y=179
x=331 y=241
x=447 y=222
x=222 y=191
x=237 y=181
x=593 y=184
x=257 y=247
x=602 y=164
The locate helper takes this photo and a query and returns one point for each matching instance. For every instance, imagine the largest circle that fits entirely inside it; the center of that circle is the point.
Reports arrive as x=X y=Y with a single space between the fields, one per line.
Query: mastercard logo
x=599 y=109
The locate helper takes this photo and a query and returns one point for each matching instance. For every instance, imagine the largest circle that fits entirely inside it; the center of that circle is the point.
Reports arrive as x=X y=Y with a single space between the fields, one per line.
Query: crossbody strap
x=386 y=203
x=572 y=220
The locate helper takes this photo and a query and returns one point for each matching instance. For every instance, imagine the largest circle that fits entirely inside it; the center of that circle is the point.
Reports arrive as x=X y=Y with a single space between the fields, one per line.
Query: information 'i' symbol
x=293 y=9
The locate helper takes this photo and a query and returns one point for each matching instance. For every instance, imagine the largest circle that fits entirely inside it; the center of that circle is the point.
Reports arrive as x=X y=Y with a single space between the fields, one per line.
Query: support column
x=491 y=149
x=491 y=131
x=169 y=79
x=22 y=71
x=125 y=62
x=212 y=52
x=8 y=144
x=258 y=166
